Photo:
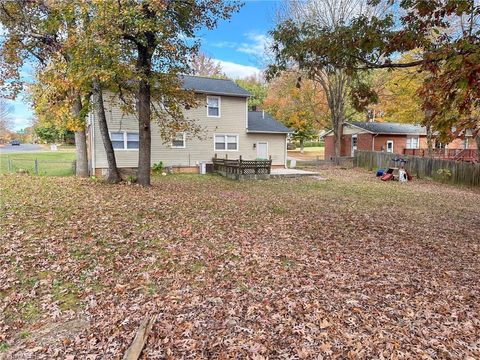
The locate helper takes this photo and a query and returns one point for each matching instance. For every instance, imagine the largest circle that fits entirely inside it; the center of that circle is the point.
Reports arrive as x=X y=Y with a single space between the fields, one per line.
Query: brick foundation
x=125 y=172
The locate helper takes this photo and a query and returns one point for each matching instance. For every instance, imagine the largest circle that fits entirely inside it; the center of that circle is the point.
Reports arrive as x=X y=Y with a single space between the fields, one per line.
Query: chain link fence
x=16 y=164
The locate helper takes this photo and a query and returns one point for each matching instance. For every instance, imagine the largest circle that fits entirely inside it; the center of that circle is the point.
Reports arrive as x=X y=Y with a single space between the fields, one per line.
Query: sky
x=237 y=44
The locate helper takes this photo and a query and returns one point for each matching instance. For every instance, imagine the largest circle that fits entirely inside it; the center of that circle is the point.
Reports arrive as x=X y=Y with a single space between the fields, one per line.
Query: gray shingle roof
x=259 y=122
x=391 y=128
x=213 y=86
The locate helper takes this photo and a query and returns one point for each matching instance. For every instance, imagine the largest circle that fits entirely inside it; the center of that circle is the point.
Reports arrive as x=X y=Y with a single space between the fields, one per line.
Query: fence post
x=36 y=166
x=9 y=164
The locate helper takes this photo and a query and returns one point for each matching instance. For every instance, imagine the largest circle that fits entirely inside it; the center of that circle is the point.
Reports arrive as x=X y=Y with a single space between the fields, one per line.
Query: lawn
x=50 y=163
x=309 y=153
x=346 y=268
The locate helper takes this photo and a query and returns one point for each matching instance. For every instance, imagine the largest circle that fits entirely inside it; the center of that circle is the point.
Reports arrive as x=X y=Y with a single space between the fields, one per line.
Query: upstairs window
x=122 y=140
x=412 y=142
x=213 y=106
x=226 y=142
x=178 y=142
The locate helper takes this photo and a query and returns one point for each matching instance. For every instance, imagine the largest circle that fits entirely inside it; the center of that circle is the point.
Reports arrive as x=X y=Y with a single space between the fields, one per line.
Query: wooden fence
x=455 y=172
x=445 y=154
x=240 y=169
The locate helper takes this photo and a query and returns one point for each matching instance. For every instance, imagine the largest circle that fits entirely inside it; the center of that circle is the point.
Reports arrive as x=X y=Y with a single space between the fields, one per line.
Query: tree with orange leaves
x=302 y=107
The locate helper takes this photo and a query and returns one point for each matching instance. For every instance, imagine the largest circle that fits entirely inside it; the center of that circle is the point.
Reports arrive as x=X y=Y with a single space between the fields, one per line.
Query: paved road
x=22 y=148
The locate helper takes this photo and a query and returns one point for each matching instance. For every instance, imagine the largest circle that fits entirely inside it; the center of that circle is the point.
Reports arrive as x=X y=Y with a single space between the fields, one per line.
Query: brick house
x=376 y=136
x=395 y=138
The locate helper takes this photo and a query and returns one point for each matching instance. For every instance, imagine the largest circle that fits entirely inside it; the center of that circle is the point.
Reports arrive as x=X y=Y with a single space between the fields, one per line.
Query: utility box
x=203 y=167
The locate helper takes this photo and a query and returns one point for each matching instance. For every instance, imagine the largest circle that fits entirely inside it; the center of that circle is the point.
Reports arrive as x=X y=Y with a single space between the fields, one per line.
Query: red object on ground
x=409 y=177
x=386 y=177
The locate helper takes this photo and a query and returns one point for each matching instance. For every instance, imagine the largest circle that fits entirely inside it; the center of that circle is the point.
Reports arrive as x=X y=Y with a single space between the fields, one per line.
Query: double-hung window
x=178 y=142
x=123 y=140
x=213 y=106
x=412 y=142
x=226 y=142
x=117 y=140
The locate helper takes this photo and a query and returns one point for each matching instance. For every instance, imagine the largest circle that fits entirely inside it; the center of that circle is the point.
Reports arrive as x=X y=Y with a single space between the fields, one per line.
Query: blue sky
x=237 y=44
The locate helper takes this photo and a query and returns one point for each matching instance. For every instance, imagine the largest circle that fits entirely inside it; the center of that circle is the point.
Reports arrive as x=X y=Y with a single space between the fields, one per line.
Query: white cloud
x=225 y=44
x=236 y=71
x=19 y=123
x=258 y=45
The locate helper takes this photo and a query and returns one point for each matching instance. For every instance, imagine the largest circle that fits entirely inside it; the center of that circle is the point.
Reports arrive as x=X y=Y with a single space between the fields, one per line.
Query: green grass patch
x=66 y=295
x=50 y=163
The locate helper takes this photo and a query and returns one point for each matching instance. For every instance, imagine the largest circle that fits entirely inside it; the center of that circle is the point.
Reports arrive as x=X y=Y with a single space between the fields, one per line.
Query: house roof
x=213 y=86
x=260 y=122
x=386 y=128
x=391 y=128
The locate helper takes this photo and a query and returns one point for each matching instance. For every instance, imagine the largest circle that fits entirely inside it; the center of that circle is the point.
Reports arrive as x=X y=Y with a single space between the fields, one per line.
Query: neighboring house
x=390 y=137
x=229 y=129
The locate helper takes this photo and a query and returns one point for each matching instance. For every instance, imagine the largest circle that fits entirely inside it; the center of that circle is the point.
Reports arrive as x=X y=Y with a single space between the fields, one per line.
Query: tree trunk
x=477 y=139
x=113 y=174
x=337 y=137
x=81 y=168
x=429 y=140
x=144 y=117
x=302 y=145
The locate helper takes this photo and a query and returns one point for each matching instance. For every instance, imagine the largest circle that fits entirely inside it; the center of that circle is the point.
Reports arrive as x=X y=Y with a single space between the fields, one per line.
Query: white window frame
x=184 y=142
x=226 y=144
x=124 y=139
x=219 y=106
x=409 y=142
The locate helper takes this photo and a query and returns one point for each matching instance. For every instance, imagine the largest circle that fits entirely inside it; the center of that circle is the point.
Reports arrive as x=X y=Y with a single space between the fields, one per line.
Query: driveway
x=21 y=148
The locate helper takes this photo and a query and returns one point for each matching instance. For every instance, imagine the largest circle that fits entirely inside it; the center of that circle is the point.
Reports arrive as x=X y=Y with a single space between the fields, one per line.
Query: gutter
x=218 y=93
x=268 y=132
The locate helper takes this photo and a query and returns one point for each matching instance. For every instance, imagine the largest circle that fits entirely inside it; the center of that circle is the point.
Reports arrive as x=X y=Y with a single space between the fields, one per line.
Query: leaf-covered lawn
x=300 y=268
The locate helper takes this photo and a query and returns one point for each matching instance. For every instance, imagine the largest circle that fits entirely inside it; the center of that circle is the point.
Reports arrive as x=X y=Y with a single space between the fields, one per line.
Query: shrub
x=158 y=168
x=445 y=174
x=131 y=179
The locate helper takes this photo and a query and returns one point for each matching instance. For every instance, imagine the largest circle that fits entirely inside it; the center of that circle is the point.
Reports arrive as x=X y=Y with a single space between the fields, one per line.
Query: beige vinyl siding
x=276 y=147
x=232 y=121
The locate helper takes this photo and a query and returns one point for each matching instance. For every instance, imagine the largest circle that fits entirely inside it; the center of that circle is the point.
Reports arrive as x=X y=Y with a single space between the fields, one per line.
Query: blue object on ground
x=380 y=172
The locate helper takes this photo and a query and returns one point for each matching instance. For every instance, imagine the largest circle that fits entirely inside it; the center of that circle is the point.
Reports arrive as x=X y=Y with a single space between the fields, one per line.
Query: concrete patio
x=291 y=173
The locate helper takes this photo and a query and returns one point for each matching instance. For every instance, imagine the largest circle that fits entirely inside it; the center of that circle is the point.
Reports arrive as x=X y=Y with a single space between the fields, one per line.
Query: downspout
x=93 y=143
x=373 y=142
x=246 y=116
x=286 y=150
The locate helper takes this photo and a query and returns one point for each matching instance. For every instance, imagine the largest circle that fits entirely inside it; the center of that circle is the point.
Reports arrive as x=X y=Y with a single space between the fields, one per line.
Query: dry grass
x=350 y=267
x=309 y=153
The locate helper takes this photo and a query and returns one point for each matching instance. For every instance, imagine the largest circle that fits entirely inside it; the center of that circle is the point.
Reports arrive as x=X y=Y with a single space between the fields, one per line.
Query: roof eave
x=389 y=133
x=359 y=127
x=268 y=132
x=218 y=93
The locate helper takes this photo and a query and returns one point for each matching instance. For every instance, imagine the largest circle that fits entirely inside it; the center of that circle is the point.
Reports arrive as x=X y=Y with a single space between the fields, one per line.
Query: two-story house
x=228 y=129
